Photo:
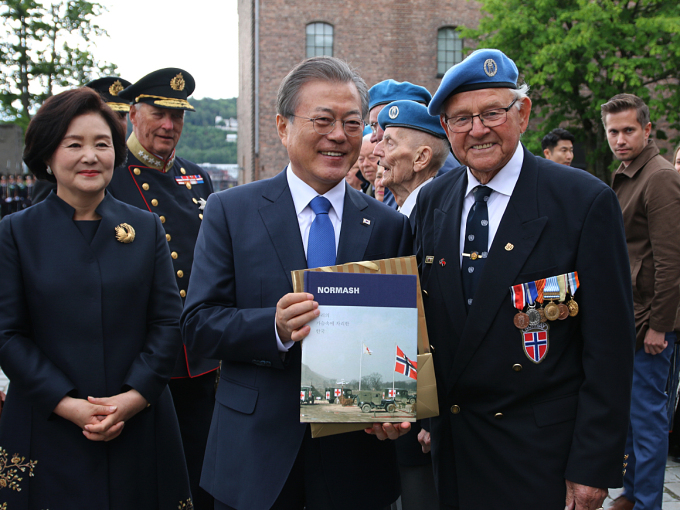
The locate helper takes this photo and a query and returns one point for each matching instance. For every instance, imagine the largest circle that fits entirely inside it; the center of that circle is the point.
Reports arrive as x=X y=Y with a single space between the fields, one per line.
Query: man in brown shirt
x=648 y=188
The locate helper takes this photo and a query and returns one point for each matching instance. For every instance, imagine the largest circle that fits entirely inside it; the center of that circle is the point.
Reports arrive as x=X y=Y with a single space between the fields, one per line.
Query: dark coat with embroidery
x=80 y=319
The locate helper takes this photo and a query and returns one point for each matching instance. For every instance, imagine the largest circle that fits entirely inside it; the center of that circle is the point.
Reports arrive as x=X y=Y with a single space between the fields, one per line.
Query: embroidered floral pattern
x=183 y=505
x=12 y=468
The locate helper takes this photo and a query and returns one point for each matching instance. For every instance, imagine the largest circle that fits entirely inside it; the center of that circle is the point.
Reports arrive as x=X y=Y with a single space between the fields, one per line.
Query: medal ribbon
x=517 y=296
x=562 y=282
x=531 y=292
x=572 y=281
x=552 y=289
x=540 y=285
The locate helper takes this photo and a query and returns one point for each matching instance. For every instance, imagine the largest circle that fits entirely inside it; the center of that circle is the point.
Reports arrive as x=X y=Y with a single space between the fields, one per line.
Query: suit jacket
x=248 y=245
x=86 y=318
x=649 y=192
x=179 y=204
x=510 y=431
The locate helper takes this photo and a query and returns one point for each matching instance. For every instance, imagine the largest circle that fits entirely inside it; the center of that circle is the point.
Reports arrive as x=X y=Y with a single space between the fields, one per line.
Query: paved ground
x=671 y=497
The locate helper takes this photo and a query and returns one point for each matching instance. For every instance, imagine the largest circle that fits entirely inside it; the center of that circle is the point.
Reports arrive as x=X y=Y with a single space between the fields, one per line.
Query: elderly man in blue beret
x=527 y=293
x=413 y=149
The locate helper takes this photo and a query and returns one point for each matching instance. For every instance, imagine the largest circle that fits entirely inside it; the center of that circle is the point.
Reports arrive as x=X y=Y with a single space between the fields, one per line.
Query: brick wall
x=382 y=40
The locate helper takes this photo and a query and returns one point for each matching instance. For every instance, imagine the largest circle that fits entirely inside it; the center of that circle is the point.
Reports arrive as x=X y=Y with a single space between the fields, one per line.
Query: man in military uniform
x=155 y=179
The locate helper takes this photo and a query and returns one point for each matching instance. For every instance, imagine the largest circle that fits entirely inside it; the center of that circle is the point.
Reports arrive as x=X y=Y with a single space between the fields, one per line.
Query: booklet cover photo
x=359 y=362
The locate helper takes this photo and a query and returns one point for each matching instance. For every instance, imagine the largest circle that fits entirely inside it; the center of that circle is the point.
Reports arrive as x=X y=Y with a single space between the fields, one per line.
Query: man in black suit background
x=240 y=306
x=533 y=406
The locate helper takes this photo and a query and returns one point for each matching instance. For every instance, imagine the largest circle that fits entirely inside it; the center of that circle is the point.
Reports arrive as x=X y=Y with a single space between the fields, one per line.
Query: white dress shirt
x=303 y=194
x=502 y=184
x=410 y=201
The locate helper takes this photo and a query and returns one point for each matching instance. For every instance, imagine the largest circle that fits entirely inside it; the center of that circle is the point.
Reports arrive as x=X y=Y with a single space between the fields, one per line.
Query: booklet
x=359 y=362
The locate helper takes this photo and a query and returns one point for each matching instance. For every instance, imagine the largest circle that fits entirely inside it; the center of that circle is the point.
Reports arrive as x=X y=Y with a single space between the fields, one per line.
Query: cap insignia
x=490 y=67
x=394 y=112
x=115 y=88
x=177 y=83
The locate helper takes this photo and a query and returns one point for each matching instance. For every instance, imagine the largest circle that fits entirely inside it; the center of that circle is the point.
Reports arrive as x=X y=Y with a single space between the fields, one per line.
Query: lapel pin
x=429 y=259
x=442 y=262
x=509 y=247
x=125 y=233
x=366 y=221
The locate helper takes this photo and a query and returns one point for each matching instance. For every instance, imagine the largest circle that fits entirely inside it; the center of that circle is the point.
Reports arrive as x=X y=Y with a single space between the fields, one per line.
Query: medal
x=564 y=309
x=543 y=317
x=552 y=292
x=573 y=285
x=531 y=294
x=540 y=286
x=521 y=319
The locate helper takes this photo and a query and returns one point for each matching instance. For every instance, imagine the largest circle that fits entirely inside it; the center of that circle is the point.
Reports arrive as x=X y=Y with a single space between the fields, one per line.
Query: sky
x=200 y=36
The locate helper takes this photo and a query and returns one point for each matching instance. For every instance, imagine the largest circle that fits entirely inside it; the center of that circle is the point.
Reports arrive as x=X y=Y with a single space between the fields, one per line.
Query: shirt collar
x=504 y=181
x=303 y=193
x=410 y=201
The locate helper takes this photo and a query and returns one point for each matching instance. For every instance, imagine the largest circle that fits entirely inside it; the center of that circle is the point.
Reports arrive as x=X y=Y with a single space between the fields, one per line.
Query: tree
x=44 y=49
x=576 y=54
x=372 y=381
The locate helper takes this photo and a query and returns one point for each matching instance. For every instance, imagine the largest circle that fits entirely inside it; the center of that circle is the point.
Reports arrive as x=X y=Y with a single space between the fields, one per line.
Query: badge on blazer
x=125 y=233
x=535 y=341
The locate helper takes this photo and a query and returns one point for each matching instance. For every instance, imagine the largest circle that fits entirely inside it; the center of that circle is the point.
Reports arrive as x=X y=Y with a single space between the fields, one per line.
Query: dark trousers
x=194 y=402
x=296 y=494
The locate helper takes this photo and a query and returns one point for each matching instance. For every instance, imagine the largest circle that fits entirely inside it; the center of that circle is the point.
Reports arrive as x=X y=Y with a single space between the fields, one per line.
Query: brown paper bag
x=426 y=403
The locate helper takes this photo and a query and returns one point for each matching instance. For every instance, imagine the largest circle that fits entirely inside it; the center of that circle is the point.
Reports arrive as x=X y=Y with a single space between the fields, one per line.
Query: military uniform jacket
x=510 y=431
x=249 y=244
x=83 y=319
x=177 y=195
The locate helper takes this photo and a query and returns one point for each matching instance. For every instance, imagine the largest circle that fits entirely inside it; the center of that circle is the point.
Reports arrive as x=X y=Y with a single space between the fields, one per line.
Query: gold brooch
x=177 y=83
x=115 y=88
x=125 y=233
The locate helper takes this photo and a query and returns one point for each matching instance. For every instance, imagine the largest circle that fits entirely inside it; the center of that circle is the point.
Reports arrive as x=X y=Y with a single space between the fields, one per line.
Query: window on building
x=319 y=40
x=449 y=49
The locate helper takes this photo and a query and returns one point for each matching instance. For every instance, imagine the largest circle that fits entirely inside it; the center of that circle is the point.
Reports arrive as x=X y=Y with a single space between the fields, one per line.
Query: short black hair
x=551 y=140
x=48 y=128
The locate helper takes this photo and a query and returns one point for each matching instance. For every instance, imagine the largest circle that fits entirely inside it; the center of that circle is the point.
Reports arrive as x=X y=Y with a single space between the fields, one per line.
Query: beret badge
x=490 y=67
x=177 y=83
x=394 y=112
x=115 y=88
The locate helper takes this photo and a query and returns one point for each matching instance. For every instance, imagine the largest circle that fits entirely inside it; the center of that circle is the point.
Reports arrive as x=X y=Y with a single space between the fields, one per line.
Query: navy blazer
x=89 y=319
x=519 y=428
x=248 y=245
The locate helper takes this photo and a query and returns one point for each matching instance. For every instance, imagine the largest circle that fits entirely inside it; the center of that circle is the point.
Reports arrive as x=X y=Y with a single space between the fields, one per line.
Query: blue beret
x=367 y=131
x=482 y=69
x=390 y=90
x=412 y=115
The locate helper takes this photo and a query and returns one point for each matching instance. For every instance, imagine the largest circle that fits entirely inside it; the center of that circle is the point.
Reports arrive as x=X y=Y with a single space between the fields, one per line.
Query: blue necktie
x=321 y=242
x=476 y=243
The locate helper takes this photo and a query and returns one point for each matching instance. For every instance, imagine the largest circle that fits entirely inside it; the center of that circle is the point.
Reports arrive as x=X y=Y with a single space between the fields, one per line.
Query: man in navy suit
x=240 y=306
x=533 y=407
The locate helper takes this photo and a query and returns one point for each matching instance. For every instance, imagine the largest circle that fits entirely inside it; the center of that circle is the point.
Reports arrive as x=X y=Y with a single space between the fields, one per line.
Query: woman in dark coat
x=89 y=332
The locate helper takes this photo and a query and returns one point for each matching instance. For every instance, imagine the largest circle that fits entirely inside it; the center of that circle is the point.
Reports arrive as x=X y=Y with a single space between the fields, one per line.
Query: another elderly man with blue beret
x=413 y=149
x=527 y=293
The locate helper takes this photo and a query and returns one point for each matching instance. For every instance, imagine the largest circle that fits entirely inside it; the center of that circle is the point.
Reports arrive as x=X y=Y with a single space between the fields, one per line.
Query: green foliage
x=201 y=141
x=577 y=54
x=36 y=59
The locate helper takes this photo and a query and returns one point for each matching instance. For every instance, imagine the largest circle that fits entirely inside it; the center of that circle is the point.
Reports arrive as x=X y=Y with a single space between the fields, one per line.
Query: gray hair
x=521 y=93
x=329 y=69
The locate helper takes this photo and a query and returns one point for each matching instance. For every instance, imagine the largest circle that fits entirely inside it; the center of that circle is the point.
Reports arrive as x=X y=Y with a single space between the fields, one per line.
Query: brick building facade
x=381 y=40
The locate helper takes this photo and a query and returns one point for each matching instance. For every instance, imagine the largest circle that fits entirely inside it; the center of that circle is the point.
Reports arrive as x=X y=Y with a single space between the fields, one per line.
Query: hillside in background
x=204 y=139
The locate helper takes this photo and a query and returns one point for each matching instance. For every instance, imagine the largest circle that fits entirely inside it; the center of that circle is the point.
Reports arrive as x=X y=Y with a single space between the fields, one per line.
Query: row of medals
x=551 y=312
